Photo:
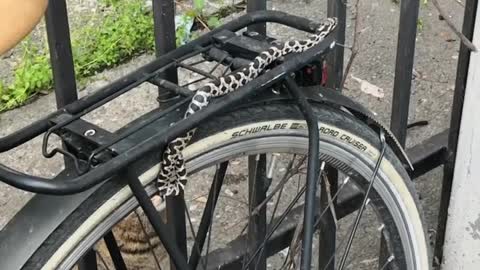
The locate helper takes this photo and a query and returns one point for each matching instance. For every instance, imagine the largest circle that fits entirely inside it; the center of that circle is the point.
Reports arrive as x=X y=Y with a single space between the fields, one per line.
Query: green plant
x=125 y=31
x=31 y=74
x=183 y=29
x=198 y=13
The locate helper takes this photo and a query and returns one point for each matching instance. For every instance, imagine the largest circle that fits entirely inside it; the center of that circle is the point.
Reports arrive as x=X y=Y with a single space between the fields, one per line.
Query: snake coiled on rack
x=172 y=176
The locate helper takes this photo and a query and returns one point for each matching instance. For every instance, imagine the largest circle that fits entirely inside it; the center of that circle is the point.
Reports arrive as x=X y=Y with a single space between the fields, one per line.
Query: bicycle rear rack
x=98 y=154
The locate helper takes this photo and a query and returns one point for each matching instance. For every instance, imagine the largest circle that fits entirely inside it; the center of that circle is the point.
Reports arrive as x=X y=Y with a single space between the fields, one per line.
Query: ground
x=435 y=63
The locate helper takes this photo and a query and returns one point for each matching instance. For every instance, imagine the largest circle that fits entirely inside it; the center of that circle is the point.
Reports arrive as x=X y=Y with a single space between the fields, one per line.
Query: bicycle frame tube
x=312 y=171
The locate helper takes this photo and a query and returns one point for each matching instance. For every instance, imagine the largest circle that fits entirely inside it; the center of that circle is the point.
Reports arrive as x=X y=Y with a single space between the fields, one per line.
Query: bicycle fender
x=31 y=226
x=320 y=94
x=334 y=98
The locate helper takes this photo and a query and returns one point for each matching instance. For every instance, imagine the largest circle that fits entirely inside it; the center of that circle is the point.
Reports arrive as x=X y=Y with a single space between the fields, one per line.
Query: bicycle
x=277 y=121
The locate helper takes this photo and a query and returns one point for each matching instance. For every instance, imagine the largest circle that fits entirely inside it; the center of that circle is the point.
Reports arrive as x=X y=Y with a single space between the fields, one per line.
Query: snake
x=172 y=175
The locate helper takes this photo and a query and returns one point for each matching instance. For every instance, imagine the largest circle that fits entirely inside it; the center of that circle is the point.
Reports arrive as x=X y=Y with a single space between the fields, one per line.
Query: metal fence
x=438 y=150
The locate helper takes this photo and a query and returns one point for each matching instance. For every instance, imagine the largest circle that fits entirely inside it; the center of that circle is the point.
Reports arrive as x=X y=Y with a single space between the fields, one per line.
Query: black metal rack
x=433 y=152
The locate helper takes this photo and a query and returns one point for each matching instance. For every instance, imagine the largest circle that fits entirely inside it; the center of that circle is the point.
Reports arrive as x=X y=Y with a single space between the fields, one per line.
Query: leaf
x=213 y=22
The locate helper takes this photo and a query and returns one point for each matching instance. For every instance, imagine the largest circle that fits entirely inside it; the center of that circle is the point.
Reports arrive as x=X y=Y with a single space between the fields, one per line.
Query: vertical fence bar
x=457 y=108
x=328 y=230
x=254 y=5
x=175 y=206
x=407 y=34
x=61 y=57
x=58 y=33
x=335 y=59
x=164 y=31
x=259 y=222
x=64 y=83
x=257 y=193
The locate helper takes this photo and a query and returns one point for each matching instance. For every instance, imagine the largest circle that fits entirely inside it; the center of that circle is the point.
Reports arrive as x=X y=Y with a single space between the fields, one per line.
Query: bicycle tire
x=262 y=125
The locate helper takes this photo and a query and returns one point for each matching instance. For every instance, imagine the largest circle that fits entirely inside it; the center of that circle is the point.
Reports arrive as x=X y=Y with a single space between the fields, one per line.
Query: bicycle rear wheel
x=257 y=156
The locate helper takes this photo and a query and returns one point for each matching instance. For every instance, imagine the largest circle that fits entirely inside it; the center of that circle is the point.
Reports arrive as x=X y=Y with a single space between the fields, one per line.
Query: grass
x=126 y=30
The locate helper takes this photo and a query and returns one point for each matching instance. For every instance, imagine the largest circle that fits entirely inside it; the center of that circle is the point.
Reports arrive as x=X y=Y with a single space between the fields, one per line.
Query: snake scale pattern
x=172 y=176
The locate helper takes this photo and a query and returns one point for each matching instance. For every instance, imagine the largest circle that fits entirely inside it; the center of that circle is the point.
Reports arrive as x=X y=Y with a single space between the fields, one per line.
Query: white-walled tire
x=345 y=143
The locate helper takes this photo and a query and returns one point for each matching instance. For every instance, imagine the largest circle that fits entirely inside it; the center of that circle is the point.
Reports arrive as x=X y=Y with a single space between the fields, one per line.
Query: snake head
x=327 y=26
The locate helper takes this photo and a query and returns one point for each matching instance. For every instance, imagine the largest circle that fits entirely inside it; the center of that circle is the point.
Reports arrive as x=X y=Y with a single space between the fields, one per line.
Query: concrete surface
x=462 y=245
x=435 y=61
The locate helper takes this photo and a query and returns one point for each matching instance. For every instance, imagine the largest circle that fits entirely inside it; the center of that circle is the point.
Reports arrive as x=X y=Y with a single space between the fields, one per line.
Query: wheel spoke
x=364 y=203
x=332 y=201
x=147 y=239
x=104 y=263
x=385 y=256
x=207 y=215
x=317 y=223
x=295 y=244
x=208 y=241
x=343 y=241
x=192 y=231
x=158 y=224
x=276 y=225
x=216 y=191
x=328 y=228
x=330 y=260
x=114 y=251
x=231 y=255
x=277 y=202
x=282 y=182
x=387 y=262
x=275 y=207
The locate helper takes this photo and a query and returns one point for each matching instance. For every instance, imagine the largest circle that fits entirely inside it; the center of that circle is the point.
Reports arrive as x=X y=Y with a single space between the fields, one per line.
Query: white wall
x=462 y=240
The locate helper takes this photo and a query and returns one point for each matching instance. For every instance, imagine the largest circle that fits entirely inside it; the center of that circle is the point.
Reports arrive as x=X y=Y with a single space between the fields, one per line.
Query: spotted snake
x=172 y=176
